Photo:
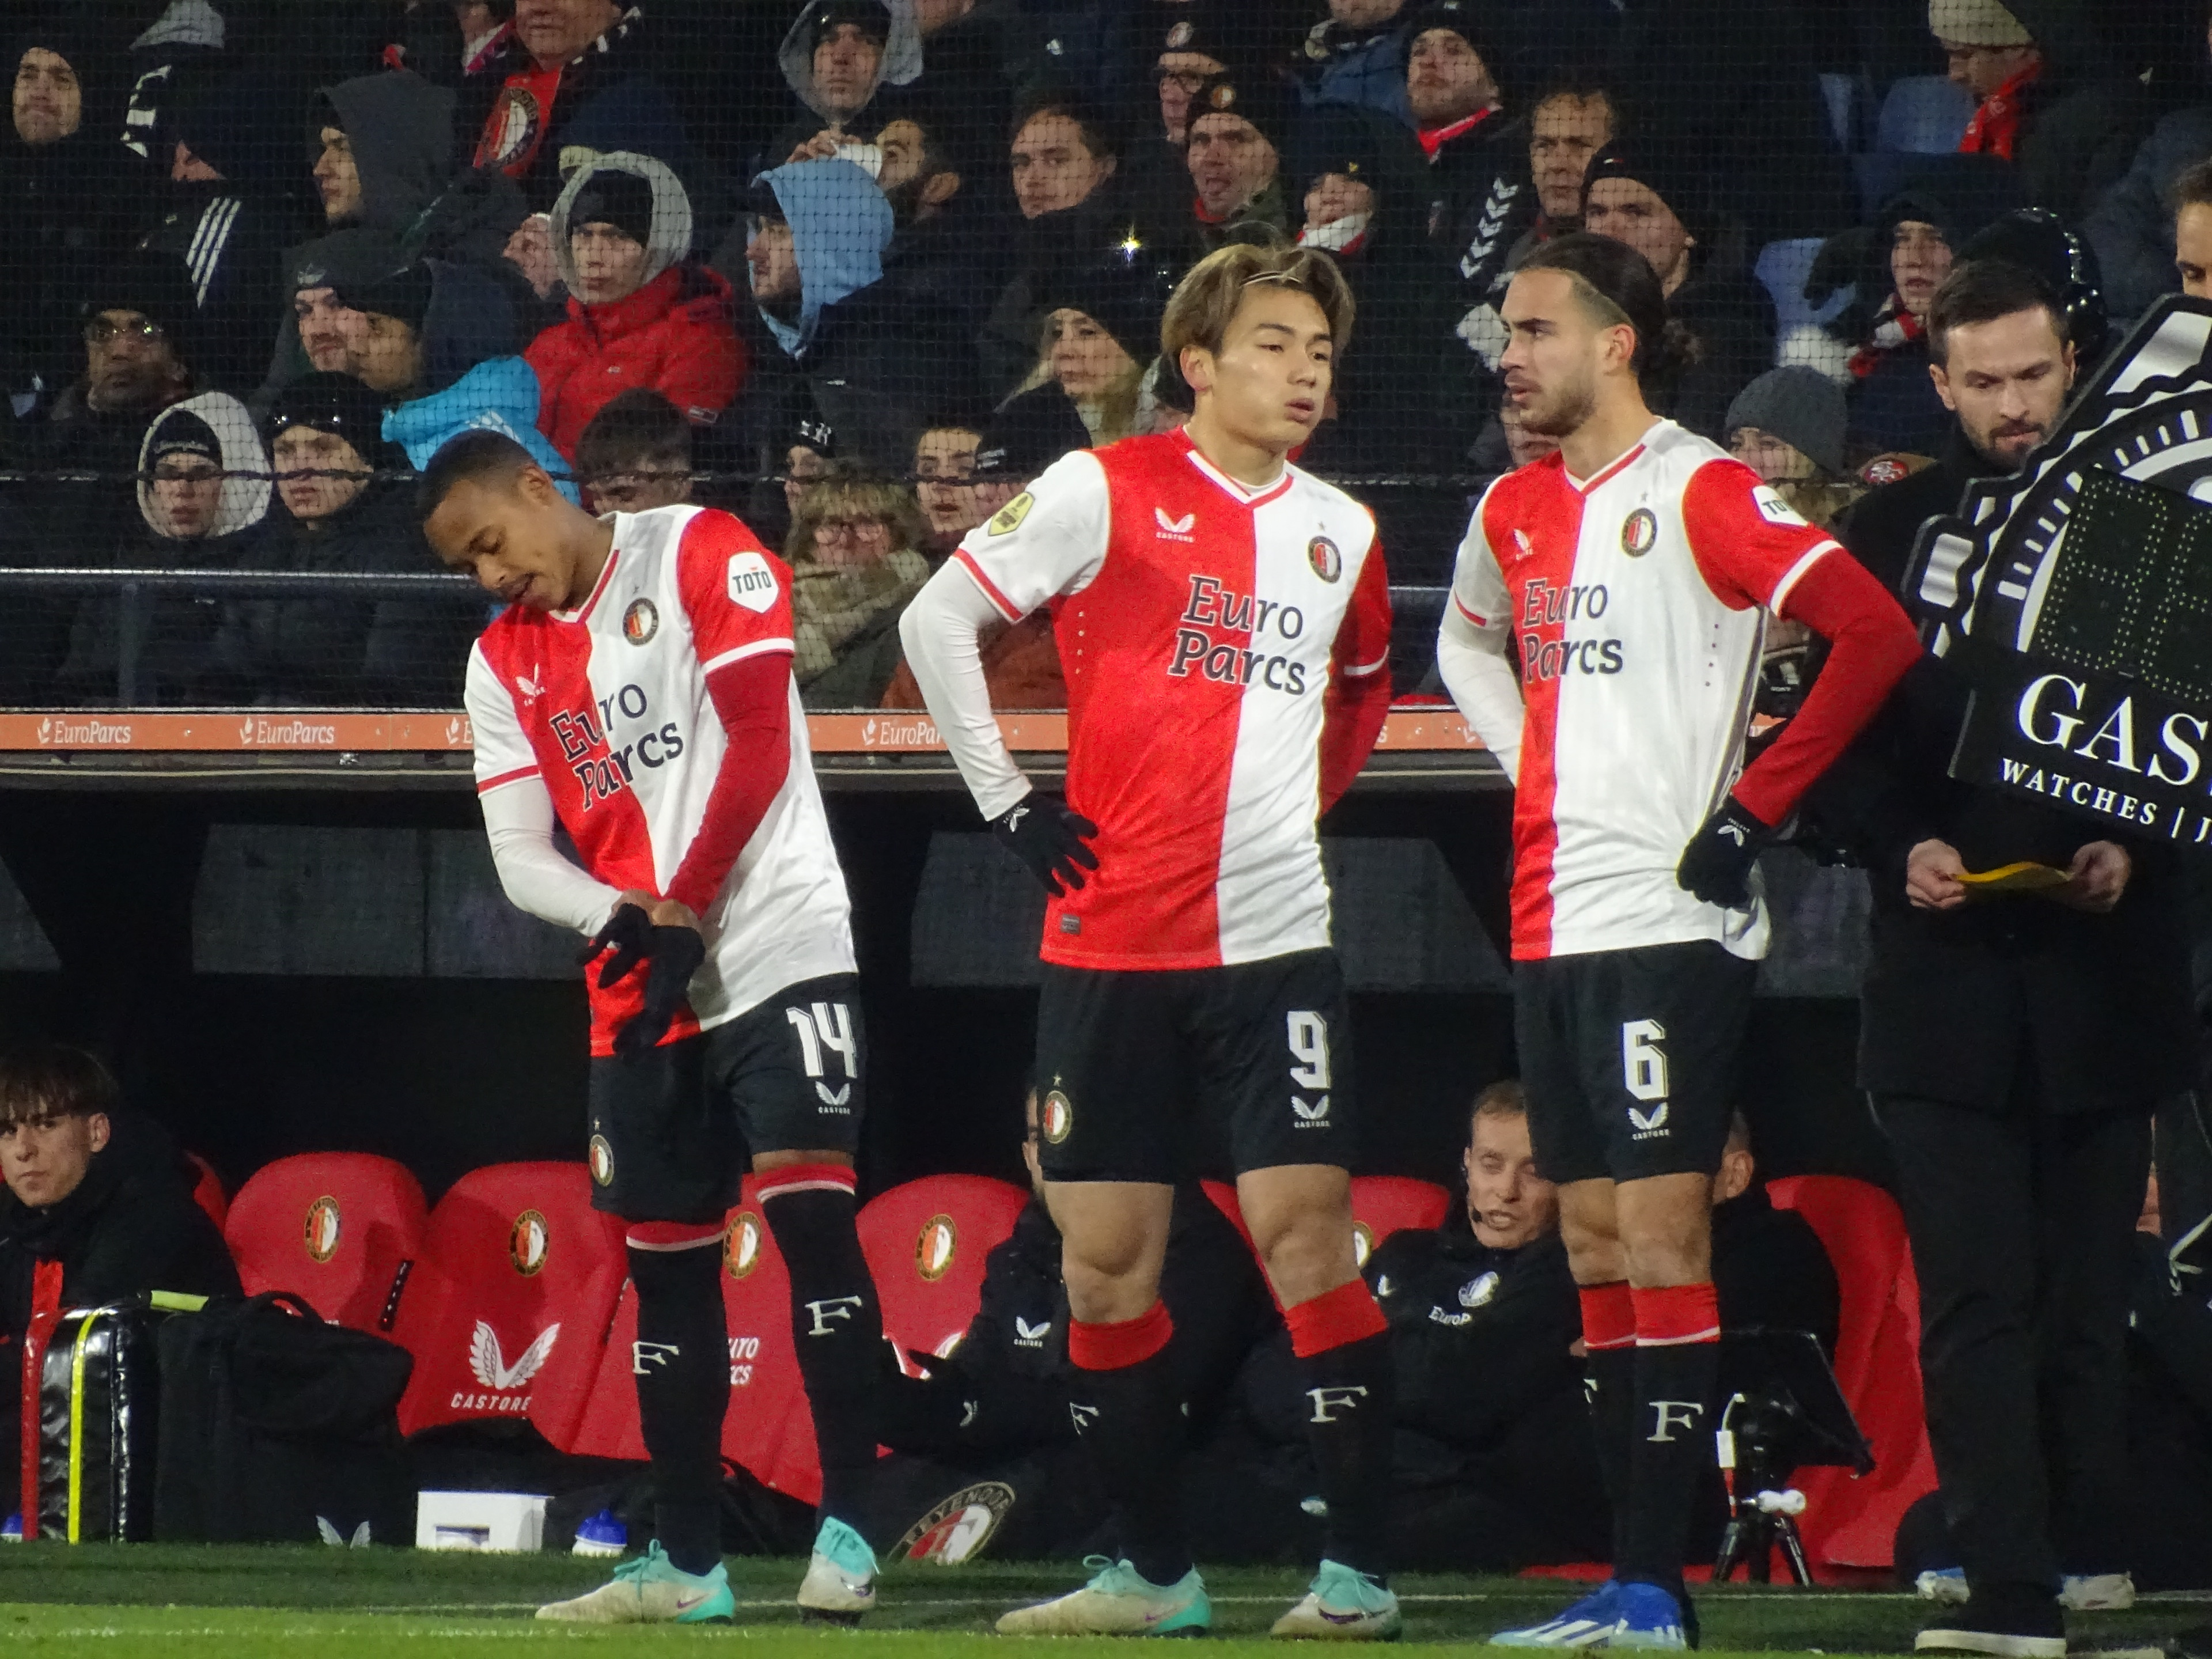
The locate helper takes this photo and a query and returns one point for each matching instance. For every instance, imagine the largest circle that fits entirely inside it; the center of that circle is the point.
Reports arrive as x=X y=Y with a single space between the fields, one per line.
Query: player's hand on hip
x=2097 y=877
x=1931 y=877
x=1052 y=839
x=625 y=941
x=670 y=913
x=1716 y=867
x=674 y=955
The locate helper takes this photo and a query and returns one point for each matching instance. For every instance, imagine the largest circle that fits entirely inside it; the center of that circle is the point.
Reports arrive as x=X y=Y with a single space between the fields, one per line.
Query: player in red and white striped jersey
x=1603 y=638
x=637 y=691
x=1224 y=623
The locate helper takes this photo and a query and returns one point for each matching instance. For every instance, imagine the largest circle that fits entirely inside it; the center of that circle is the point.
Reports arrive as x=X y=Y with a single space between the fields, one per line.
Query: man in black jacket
x=96 y=1209
x=2014 y=1046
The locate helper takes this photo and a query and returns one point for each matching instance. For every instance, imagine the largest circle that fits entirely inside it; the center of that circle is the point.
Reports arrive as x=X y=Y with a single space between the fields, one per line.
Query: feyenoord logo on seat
x=2069 y=595
x=1362 y=1244
x=641 y=621
x=1638 y=531
x=1328 y=563
x=321 y=1232
x=603 y=1161
x=1058 y=1117
x=935 y=1248
x=529 y=1242
x=741 y=1245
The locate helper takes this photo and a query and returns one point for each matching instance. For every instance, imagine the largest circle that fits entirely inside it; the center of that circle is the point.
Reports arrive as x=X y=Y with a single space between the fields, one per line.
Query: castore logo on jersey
x=1173 y=530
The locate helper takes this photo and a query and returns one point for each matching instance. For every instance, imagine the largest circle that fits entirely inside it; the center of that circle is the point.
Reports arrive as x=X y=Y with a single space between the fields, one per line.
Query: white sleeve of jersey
x=939 y=631
x=1470 y=646
x=1049 y=540
x=519 y=821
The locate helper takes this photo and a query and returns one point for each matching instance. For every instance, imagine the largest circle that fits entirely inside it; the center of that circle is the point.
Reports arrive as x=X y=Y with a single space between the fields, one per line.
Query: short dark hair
x=478 y=456
x=1504 y=1098
x=1099 y=134
x=633 y=428
x=41 y=1080
x=2194 y=187
x=1614 y=283
x=1981 y=291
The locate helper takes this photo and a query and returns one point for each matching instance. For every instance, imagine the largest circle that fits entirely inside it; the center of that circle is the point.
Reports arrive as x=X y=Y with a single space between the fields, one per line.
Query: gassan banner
x=2075 y=595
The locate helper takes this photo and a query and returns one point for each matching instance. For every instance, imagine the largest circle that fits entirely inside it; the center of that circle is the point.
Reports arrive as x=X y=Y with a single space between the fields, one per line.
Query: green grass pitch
x=257 y=1603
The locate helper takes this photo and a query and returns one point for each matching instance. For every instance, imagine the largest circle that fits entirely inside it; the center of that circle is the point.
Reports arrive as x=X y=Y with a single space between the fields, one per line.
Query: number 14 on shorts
x=827 y=1026
x=1644 y=1074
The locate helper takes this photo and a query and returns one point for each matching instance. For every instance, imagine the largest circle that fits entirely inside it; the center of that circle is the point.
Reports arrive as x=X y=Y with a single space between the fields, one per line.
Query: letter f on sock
x=1328 y=1401
x=822 y=1313
x=1672 y=1414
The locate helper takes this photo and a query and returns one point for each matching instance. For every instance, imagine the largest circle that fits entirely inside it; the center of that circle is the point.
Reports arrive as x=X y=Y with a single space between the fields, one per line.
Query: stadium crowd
x=861 y=272
x=919 y=250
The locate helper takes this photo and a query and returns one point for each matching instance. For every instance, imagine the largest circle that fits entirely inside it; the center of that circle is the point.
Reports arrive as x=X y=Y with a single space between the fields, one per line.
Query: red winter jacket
x=674 y=335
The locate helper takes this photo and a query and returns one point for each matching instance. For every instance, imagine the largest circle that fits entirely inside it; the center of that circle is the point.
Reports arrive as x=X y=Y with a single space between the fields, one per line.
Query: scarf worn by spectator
x=1893 y=326
x=1995 y=126
x=832 y=607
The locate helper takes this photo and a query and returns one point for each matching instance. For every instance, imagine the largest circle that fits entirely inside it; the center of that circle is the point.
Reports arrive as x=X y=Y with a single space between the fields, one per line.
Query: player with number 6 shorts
x=636 y=691
x=1224 y=622
x=1602 y=638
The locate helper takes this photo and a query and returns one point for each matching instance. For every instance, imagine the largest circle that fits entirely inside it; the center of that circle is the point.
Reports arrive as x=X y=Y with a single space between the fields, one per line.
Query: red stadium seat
x=1849 y=1523
x=768 y=1431
x=507 y=1311
x=339 y=1228
x=1382 y=1204
x=926 y=1243
x=206 y=1191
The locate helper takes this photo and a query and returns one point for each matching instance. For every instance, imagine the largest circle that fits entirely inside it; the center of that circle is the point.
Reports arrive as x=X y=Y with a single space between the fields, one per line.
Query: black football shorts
x=1629 y=1058
x=673 y=1131
x=1262 y=1047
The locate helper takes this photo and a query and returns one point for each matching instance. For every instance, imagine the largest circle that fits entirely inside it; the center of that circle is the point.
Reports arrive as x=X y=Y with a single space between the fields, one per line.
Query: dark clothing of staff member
x=2014 y=1046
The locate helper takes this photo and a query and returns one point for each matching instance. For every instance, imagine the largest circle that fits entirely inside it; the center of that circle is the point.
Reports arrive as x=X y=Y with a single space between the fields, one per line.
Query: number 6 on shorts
x=1643 y=1065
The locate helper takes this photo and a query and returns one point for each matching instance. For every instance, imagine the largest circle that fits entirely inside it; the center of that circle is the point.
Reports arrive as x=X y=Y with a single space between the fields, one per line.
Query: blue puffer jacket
x=501 y=394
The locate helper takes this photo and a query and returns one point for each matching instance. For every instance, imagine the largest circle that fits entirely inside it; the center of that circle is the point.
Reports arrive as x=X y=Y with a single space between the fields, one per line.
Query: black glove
x=629 y=935
x=1051 y=840
x=673 y=955
x=1715 y=865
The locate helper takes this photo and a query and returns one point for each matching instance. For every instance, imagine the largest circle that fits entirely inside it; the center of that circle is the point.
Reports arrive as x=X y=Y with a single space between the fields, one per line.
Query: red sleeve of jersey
x=1362 y=638
x=752 y=699
x=1750 y=546
x=1870 y=646
x=737 y=593
x=1358 y=695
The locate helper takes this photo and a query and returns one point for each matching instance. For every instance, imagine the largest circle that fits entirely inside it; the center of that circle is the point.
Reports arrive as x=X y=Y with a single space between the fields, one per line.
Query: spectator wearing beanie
x=341 y=510
x=1721 y=330
x=1240 y=131
x=642 y=313
x=2049 y=97
x=1481 y=198
x=1788 y=427
x=1101 y=333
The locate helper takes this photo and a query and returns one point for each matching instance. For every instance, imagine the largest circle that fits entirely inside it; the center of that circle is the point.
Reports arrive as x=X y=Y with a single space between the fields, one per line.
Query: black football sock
x=1609 y=1387
x=1677 y=1370
x=1343 y=1355
x=682 y=1363
x=837 y=1324
x=1122 y=1395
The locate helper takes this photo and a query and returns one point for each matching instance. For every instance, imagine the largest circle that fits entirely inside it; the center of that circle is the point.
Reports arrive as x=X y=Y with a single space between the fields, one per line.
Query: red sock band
x=1675 y=1315
x=1117 y=1346
x=1608 y=1317
x=807 y=1178
x=1346 y=1313
x=670 y=1235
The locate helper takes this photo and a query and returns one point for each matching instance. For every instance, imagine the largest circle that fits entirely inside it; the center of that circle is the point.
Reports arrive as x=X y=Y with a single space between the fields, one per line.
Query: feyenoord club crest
x=1639 y=531
x=603 y=1161
x=512 y=132
x=528 y=1242
x=1328 y=563
x=1179 y=37
x=741 y=1245
x=1058 y=1118
x=319 y=1233
x=641 y=621
x=933 y=1250
x=2072 y=595
x=1362 y=1244
x=957 y=1529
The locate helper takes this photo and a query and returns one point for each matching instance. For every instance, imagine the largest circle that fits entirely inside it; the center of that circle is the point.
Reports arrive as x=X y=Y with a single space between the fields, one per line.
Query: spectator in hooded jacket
x=572 y=75
x=642 y=313
x=342 y=511
x=63 y=177
x=854 y=551
x=1357 y=54
x=1720 y=320
x=836 y=57
x=2048 y=99
x=380 y=149
x=1917 y=237
x=98 y=1207
x=203 y=488
x=875 y=364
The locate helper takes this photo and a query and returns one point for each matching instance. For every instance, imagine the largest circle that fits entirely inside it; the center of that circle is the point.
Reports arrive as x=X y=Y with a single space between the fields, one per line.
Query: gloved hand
x=1053 y=841
x=629 y=935
x=673 y=955
x=1716 y=867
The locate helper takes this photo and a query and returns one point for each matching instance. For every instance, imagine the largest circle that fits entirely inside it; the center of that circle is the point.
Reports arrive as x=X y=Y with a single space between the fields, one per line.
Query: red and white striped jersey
x=1199 y=622
x=1635 y=602
x=608 y=706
